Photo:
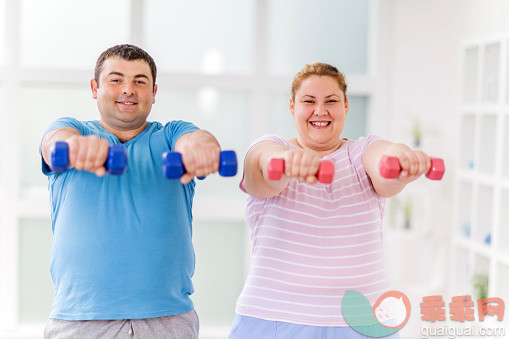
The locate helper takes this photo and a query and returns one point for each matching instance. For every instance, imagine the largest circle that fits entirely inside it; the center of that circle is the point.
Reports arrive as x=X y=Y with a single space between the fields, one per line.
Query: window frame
x=17 y=203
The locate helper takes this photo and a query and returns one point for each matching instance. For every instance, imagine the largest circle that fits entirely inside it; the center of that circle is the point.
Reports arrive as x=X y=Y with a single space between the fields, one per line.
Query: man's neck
x=123 y=135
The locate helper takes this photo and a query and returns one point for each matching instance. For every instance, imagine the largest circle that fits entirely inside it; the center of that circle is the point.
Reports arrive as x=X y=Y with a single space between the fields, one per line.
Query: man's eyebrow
x=116 y=73
x=136 y=76
x=141 y=76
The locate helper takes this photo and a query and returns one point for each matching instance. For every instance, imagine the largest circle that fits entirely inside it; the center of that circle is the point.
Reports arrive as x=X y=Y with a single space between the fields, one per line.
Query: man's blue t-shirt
x=122 y=244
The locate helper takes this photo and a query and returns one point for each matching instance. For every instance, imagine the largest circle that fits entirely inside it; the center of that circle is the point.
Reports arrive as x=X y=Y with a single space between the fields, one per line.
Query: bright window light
x=200 y=36
x=71 y=34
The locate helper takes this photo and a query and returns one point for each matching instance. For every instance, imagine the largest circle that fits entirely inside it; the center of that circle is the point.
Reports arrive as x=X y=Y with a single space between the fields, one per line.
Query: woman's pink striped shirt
x=311 y=243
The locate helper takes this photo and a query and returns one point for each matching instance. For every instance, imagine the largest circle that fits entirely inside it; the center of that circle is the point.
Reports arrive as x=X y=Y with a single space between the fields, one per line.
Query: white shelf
x=482 y=185
x=473 y=246
x=503 y=259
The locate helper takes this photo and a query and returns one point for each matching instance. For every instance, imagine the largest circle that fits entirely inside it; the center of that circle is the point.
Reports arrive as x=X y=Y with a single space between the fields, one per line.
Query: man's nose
x=128 y=88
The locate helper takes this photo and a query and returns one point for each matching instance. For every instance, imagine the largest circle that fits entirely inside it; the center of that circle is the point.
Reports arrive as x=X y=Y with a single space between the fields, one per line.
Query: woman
x=313 y=241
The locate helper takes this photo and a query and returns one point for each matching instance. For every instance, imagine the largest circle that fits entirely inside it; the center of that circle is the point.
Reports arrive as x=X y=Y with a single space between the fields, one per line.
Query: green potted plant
x=417 y=133
x=480 y=283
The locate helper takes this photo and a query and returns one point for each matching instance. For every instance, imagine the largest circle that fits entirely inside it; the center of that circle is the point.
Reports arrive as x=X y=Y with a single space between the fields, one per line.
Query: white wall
x=484 y=17
x=419 y=59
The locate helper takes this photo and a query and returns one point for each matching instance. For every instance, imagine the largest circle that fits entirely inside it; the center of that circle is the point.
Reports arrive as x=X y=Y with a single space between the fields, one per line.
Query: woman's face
x=319 y=110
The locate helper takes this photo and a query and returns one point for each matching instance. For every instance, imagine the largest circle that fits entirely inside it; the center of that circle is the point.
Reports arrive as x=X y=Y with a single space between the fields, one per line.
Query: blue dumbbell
x=173 y=167
x=115 y=164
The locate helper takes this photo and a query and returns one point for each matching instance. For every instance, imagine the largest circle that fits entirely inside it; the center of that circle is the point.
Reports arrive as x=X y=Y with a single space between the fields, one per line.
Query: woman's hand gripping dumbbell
x=324 y=174
x=173 y=167
x=390 y=168
x=115 y=163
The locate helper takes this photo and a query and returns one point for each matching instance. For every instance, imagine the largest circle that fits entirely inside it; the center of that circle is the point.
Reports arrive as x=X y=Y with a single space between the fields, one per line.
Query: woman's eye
x=308 y=101
x=332 y=101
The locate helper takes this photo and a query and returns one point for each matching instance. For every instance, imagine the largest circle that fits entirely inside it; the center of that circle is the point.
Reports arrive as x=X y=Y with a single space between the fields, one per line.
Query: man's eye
x=139 y=82
x=115 y=80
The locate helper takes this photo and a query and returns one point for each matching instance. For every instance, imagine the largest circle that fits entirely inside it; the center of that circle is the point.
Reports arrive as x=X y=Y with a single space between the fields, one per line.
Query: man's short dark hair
x=126 y=52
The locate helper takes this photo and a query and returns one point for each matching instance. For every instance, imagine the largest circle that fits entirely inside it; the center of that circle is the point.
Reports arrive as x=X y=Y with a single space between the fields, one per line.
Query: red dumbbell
x=390 y=167
x=325 y=173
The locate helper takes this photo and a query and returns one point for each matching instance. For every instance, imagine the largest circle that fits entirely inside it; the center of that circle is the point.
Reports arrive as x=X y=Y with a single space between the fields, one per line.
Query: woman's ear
x=347 y=107
x=292 y=107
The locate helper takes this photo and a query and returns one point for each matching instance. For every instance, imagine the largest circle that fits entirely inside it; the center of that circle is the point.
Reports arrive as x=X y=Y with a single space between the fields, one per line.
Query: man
x=122 y=256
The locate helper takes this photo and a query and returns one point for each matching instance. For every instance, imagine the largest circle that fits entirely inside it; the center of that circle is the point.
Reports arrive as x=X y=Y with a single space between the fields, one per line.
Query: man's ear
x=292 y=106
x=93 y=86
x=154 y=98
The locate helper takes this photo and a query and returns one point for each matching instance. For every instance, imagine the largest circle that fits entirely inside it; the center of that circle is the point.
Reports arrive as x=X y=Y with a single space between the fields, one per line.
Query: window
x=40 y=105
x=35 y=287
x=2 y=32
x=185 y=37
x=225 y=65
x=303 y=32
x=71 y=34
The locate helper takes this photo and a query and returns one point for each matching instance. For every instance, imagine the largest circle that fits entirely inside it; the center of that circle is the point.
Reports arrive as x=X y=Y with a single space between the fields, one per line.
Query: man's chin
x=124 y=123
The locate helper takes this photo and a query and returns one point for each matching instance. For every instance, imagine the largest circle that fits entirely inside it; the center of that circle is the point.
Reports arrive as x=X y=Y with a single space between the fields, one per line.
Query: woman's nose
x=320 y=110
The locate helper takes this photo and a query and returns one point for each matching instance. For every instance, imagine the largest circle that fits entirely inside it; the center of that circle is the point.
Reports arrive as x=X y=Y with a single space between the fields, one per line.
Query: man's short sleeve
x=68 y=122
x=173 y=130
x=60 y=123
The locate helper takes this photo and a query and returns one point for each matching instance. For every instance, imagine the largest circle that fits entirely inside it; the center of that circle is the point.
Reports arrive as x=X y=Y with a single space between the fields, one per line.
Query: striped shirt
x=311 y=243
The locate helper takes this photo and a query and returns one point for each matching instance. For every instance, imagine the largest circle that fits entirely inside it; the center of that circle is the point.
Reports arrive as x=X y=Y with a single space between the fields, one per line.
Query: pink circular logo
x=392 y=309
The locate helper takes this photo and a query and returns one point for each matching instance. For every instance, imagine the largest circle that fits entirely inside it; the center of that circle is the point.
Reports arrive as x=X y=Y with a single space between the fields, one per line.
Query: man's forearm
x=198 y=137
x=202 y=136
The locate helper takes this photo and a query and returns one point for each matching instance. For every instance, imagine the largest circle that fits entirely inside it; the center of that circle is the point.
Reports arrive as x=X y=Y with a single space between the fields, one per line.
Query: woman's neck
x=323 y=152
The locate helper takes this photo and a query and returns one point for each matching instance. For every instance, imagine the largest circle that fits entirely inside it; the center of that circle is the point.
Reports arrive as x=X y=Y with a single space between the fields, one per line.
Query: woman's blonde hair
x=320 y=69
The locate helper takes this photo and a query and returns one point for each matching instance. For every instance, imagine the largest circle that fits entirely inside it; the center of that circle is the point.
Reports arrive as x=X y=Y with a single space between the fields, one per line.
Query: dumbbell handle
x=116 y=163
x=173 y=167
x=390 y=168
x=276 y=167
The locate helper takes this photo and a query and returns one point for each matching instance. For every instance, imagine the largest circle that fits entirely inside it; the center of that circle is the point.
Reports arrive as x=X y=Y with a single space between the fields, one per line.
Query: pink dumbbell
x=325 y=173
x=390 y=167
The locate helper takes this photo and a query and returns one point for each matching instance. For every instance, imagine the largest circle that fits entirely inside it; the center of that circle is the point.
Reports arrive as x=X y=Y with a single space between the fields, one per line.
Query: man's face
x=125 y=93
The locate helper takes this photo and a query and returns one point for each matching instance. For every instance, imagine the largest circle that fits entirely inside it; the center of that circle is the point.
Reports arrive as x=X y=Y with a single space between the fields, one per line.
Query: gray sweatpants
x=182 y=326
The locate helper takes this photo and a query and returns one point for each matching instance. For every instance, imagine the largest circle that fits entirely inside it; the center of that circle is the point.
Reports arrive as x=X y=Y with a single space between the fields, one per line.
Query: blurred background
x=432 y=74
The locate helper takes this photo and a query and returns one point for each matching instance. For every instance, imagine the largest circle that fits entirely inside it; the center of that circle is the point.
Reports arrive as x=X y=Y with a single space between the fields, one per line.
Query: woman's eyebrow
x=328 y=96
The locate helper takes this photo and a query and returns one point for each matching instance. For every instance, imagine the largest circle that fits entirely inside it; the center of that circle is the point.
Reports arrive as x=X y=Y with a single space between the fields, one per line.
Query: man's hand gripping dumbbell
x=173 y=167
x=89 y=153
